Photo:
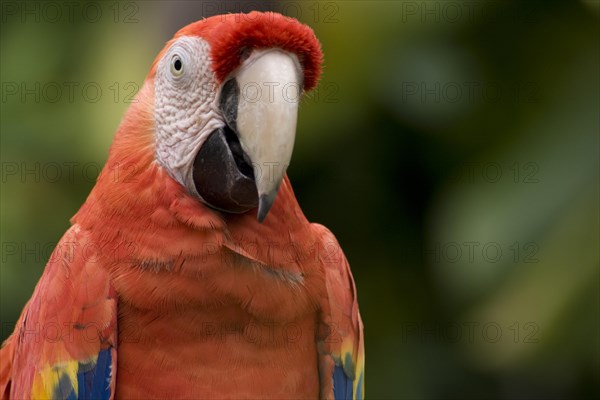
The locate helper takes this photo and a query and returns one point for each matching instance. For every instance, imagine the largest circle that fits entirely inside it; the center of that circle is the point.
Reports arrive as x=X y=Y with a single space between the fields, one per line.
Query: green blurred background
x=453 y=149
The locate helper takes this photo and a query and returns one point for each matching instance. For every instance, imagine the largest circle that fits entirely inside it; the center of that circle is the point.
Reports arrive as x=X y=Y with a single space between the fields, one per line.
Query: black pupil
x=177 y=64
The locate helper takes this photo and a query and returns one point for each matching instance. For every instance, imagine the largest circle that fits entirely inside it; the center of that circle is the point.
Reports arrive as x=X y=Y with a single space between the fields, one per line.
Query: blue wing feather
x=94 y=381
x=342 y=385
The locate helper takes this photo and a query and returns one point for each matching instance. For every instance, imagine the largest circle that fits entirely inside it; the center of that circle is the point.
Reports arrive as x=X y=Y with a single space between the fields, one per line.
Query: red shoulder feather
x=65 y=340
x=341 y=346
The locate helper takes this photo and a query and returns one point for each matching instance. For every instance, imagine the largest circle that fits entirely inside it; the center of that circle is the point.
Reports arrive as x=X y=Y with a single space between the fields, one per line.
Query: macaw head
x=226 y=96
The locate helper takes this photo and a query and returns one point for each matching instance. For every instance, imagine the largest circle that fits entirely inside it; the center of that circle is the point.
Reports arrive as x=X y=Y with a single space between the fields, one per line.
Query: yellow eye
x=176 y=65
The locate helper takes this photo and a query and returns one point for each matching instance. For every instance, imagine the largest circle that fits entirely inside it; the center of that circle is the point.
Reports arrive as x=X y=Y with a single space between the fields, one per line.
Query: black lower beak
x=223 y=173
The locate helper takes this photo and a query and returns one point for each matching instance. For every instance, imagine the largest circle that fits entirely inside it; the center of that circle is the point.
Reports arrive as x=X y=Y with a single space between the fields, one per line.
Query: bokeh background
x=453 y=149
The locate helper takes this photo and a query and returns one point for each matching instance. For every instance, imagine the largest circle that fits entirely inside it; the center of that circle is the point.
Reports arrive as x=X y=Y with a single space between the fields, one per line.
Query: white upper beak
x=270 y=83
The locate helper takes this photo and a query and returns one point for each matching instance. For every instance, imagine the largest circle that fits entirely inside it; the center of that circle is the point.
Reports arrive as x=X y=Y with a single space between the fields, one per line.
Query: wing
x=64 y=344
x=341 y=343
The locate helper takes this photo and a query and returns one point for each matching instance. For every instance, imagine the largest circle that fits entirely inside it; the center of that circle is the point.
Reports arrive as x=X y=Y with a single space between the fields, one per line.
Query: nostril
x=245 y=52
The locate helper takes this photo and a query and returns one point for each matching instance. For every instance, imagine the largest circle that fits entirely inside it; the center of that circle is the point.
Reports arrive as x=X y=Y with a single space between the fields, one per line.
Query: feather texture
x=64 y=344
x=208 y=304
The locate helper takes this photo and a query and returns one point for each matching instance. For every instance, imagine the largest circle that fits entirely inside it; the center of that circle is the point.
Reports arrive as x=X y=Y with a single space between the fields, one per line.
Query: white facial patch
x=186 y=107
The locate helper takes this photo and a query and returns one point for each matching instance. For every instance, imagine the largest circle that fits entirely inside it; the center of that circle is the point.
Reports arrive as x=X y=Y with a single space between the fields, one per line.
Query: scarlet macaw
x=169 y=283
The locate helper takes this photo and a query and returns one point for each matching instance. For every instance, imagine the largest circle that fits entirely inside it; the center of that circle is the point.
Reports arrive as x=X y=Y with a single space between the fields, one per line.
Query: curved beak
x=260 y=104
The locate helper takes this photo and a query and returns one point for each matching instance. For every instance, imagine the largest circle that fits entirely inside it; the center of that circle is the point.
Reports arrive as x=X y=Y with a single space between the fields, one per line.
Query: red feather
x=211 y=305
x=231 y=36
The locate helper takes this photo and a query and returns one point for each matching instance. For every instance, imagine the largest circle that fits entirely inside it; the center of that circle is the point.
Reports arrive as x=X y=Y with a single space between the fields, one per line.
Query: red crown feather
x=231 y=36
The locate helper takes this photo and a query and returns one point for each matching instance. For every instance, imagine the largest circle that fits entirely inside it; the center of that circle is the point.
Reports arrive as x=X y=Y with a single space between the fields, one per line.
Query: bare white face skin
x=187 y=111
x=186 y=107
